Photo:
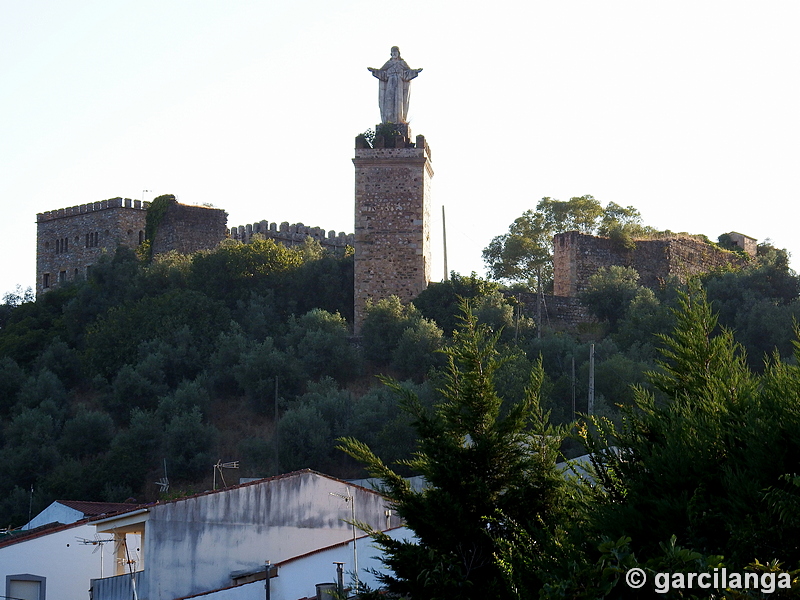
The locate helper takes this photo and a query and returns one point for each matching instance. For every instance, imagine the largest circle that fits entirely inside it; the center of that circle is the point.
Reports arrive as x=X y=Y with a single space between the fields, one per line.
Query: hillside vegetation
x=189 y=360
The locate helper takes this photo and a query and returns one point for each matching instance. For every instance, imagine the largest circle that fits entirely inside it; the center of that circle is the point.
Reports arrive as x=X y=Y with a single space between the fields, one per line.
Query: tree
x=489 y=471
x=713 y=462
x=611 y=291
x=525 y=253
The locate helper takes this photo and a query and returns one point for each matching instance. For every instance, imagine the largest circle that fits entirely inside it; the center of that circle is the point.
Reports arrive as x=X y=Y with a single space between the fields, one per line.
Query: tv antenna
x=218 y=468
x=97 y=541
x=351 y=499
x=163 y=483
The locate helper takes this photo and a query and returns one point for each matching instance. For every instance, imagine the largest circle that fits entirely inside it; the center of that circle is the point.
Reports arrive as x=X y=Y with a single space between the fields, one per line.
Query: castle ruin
x=578 y=256
x=70 y=240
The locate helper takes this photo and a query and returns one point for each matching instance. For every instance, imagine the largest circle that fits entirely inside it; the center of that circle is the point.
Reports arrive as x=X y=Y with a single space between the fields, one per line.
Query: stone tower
x=70 y=240
x=392 y=203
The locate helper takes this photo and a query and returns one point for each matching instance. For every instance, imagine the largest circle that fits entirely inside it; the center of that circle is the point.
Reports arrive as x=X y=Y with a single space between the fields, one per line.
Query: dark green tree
x=700 y=464
x=525 y=253
x=489 y=471
x=611 y=291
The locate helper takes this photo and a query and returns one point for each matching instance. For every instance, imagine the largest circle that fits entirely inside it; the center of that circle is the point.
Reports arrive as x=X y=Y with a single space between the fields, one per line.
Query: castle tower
x=392 y=200
x=70 y=240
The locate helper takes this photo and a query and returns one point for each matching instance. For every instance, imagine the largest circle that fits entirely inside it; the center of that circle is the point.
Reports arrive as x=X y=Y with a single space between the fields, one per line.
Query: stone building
x=186 y=229
x=70 y=240
x=392 y=220
x=578 y=256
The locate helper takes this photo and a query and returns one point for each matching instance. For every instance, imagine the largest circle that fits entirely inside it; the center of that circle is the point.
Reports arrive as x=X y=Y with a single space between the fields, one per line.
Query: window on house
x=25 y=587
x=46 y=280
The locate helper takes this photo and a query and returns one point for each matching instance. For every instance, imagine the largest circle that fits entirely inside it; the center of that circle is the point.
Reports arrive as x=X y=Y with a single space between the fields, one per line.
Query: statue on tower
x=395 y=78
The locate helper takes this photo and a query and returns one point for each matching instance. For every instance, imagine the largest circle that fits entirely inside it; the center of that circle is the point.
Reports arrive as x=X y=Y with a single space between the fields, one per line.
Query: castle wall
x=70 y=240
x=392 y=223
x=292 y=235
x=578 y=256
x=558 y=312
x=186 y=229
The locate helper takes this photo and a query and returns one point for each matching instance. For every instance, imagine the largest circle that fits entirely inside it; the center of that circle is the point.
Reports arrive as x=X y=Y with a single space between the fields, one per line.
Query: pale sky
x=687 y=110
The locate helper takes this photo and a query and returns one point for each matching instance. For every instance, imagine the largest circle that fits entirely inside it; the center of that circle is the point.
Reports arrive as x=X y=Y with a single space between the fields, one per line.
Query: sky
x=686 y=110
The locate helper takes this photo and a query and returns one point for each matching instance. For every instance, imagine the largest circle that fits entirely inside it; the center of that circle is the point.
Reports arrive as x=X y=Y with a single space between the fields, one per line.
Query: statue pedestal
x=392 y=224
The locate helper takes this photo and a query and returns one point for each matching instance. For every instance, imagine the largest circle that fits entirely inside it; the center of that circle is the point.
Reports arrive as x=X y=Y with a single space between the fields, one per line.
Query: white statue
x=395 y=79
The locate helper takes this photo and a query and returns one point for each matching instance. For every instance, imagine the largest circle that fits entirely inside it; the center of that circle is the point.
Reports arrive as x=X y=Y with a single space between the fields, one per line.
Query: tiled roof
x=94 y=509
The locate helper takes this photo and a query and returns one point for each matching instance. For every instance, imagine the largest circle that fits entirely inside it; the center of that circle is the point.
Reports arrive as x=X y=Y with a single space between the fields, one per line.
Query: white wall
x=297 y=578
x=66 y=564
x=192 y=545
x=55 y=513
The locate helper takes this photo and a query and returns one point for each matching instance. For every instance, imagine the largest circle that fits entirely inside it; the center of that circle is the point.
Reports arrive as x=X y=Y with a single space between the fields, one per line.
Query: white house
x=70 y=511
x=54 y=563
x=202 y=543
x=298 y=577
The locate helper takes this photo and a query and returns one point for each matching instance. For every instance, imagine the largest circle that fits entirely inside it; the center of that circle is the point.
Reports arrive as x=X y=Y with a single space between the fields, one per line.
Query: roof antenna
x=97 y=541
x=163 y=483
x=221 y=465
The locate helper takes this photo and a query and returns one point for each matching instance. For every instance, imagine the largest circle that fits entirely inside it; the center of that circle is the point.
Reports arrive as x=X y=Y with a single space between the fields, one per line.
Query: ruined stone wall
x=187 y=229
x=70 y=240
x=558 y=312
x=292 y=235
x=578 y=256
x=392 y=223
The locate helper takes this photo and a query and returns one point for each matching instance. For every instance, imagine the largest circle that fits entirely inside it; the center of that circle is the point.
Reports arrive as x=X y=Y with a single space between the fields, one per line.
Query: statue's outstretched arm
x=379 y=73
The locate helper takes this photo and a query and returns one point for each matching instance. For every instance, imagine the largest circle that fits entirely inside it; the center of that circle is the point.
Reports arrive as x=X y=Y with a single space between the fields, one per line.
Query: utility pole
x=590 y=407
x=573 y=387
x=277 y=440
x=444 y=240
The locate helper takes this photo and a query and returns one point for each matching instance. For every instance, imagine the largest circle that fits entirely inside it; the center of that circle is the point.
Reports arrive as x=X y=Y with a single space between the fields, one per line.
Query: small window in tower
x=62 y=277
x=46 y=280
x=66 y=244
x=76 y=273
x=87 y=240
x=141 y=237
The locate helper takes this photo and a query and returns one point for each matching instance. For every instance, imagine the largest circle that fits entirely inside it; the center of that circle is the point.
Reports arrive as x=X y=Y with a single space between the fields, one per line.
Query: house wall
x=66 y=564
x=55 y=513
x=297 y=577
x=194 y=544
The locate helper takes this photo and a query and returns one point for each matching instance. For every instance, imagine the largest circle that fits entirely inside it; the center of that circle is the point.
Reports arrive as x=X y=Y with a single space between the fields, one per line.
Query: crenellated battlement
x=81 y=209
x=291 y=235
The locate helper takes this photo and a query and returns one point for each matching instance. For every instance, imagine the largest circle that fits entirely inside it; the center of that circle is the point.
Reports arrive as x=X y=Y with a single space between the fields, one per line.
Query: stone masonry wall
x=70 y=240
x=292 y=235
x=392 y=223
x=578 y=256
x=187 y=229
x=558 y=312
